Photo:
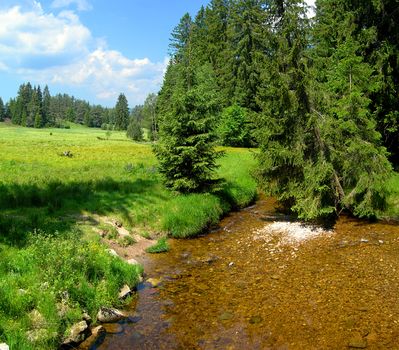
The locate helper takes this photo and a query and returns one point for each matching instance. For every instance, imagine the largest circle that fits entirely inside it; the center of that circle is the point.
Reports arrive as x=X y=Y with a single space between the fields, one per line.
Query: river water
x=243 y=287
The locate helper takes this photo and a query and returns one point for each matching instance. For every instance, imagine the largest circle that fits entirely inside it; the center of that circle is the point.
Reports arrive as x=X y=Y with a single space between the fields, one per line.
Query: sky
x=91 y=49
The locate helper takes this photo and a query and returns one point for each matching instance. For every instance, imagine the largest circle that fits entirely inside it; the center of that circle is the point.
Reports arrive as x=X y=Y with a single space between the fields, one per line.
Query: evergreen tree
x=320 y=152
x=2 y=110
x=218 y=46
x=180 y=42
x=38 y=121
x=134 y=130
x=150 y=116
x=186 y=145
x=46 y=107
x=121 y=113
x=248 y=45
x=283 y=124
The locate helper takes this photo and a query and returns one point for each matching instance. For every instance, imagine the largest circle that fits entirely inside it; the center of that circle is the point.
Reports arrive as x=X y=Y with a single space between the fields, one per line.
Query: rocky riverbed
x=262 y=281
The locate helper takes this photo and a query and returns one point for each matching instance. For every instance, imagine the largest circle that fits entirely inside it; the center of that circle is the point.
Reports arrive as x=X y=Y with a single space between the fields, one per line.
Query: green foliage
x=186 y=147
x=160 y=247
x=126 y=241
x=38 y=121
x=189 y=215
x=51 y=274
x=2 y=110
x=109 y=231
x=233 y=128
x=134 y=131
x=121 y=113
x=53 y=110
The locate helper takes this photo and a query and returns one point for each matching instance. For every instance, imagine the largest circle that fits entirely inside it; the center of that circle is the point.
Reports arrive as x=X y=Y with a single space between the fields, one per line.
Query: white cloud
x=58 y=49
x=82 y=5
x=26 y=36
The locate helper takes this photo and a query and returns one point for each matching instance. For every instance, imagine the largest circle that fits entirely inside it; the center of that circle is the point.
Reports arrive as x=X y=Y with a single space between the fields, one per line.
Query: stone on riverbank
x=90 y=341
x=125 y=292
x=109 y=315
x=77 y=333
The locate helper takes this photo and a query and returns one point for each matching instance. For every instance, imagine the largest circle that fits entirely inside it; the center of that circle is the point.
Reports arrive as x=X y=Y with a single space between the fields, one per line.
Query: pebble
x=231 y=264
x=364 y=240
x=226 y=316
x=255 y=319
x=113 y=328
x=155 y=282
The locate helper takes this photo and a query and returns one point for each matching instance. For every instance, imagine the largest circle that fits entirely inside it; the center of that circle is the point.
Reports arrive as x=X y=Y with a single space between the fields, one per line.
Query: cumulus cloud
x=82 y=5
x=108 y=73
x=59 y=49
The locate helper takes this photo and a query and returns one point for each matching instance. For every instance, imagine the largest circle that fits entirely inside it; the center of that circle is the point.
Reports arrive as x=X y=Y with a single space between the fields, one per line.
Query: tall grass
x=393 y=198
x=64 y=272
x=57 y=278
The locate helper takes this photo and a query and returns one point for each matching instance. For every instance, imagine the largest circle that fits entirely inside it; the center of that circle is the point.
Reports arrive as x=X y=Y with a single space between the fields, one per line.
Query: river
x=243 y=287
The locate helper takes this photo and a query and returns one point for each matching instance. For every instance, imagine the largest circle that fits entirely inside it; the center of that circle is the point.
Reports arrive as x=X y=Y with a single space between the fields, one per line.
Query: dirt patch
x=136 y=249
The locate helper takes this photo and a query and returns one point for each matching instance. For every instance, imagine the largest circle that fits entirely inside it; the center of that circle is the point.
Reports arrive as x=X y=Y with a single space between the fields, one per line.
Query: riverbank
x=64 y=195
x=264 y=281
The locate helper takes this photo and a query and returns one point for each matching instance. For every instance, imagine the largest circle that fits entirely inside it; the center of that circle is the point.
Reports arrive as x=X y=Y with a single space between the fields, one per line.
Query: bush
x=234 y=129
x=134 y=131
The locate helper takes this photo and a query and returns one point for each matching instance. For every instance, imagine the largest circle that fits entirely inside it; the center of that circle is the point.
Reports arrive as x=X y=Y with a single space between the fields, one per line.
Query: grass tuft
x=160 y=247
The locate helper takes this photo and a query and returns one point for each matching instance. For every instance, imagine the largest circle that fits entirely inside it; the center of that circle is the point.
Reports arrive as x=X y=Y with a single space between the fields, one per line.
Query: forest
x=318 y=96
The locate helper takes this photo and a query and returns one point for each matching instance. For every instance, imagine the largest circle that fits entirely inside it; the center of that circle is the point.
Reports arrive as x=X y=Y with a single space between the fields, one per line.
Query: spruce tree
x=121 y=113
x=185 y=151
x=2 y=110
x=46 y=107
x=320 y=152
x=134 y=131
x=247 y=34
x=150 y=116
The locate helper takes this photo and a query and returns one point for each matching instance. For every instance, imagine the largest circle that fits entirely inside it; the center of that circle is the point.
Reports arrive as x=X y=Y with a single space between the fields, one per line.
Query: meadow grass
x=48 y=256
x=161 y=246
x=393 y=197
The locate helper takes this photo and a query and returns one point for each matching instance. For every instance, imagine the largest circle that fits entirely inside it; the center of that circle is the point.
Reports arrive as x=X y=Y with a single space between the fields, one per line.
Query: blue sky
x=92 y=49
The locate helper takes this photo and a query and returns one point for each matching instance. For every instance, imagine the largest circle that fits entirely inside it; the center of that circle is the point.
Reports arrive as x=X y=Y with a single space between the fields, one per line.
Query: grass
x=393 y=198
x=161 y=246
x=49 y=259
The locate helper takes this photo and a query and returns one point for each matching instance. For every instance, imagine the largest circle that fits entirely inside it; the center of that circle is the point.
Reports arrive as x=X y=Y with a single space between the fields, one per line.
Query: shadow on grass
x=24 y=208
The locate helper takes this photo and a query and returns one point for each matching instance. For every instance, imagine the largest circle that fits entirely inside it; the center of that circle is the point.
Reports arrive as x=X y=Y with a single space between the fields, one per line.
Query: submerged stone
x=255 y=319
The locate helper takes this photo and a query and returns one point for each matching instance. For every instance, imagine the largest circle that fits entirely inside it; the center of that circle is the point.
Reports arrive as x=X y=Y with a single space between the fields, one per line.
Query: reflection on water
x=227 y=290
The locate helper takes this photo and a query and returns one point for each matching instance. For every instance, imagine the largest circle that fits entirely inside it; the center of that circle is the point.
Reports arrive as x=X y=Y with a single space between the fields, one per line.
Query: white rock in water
x=291 y=232
x=108 y=315
x=125 y=292
x=4 y=346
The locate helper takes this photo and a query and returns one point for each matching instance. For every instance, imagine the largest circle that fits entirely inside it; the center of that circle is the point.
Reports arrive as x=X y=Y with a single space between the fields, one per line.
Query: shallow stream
x=243 y=286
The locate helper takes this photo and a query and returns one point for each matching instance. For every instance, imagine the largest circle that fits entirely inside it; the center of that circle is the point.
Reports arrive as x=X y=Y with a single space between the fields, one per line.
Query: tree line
x=319 y=97
x=33 y=107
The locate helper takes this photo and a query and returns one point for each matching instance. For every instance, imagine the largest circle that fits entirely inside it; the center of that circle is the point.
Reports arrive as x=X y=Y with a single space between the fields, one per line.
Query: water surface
x=227 y=290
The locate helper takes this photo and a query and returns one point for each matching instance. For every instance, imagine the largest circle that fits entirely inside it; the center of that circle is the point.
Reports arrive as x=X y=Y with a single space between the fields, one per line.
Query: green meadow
x=53 y=266
x=52 y=181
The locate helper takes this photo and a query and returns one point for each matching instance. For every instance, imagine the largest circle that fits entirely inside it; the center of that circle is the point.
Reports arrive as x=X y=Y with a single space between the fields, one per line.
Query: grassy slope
x=40 y=189
x=393 y=198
